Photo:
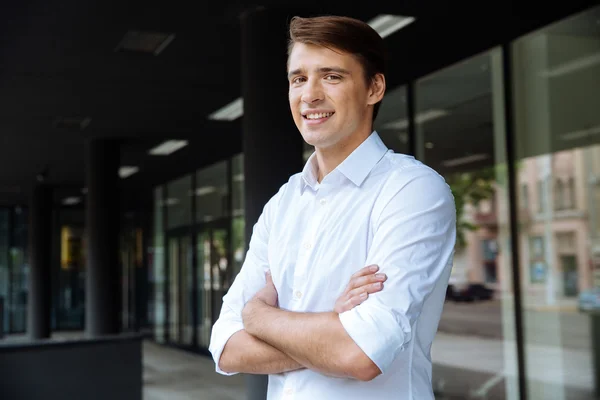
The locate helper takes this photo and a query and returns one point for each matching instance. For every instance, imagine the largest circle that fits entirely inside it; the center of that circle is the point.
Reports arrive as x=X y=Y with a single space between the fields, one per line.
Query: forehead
x=308 y=56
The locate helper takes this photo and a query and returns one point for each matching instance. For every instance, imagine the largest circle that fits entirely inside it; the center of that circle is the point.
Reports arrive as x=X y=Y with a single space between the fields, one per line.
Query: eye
x=333 y=77
x=298 y=79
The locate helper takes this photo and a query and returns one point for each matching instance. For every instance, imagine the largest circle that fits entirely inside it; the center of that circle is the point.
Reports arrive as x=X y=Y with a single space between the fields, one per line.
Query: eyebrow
x=338 y=70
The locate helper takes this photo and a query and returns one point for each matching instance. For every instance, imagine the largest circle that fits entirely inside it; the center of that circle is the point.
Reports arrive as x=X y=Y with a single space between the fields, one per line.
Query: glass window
x=4 y=268
x=391 y=122
x=212 y=193
x=19 y=266
x=238 y=220
x=460 y=126
x=179 y=202
x=556 y=101
x=158 y=307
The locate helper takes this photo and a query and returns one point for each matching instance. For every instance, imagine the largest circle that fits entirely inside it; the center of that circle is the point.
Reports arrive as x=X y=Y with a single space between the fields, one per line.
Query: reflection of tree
x=470 y=188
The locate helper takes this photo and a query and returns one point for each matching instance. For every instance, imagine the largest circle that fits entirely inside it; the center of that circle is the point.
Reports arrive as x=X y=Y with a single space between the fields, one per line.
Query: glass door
x=214 y=276
x=180 y=288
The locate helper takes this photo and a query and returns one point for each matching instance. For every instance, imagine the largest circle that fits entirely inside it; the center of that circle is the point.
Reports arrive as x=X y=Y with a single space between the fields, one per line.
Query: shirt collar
x=356 y=167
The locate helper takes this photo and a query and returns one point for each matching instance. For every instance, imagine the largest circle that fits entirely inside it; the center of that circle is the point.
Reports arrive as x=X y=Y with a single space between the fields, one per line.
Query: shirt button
x=288 y=392
x=307 y=246
x=323 y=202
x=298 y=294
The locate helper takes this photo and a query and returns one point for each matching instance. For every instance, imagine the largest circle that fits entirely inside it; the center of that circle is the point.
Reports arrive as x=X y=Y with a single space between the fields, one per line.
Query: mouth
x=313 y=118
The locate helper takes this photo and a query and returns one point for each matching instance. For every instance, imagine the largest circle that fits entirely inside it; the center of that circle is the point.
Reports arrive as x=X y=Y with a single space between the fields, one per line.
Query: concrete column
x=40 y=278
x=103 y=289
x=271 y=142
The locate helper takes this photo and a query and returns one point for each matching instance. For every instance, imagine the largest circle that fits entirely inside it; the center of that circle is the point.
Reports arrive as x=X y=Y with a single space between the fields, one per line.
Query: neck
x=329 y=158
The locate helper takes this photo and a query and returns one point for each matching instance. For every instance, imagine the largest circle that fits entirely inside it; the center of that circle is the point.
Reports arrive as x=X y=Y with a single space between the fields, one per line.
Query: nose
x=312 y=92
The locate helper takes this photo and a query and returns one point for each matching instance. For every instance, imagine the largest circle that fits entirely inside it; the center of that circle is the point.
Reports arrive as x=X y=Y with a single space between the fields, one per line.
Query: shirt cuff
x=221 y=334
x=376 y=332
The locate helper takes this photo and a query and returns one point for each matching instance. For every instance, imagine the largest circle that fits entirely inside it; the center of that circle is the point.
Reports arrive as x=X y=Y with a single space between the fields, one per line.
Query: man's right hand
x=362 y=283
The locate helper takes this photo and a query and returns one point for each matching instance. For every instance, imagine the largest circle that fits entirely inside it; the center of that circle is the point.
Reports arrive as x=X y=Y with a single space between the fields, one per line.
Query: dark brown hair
x=344 y=34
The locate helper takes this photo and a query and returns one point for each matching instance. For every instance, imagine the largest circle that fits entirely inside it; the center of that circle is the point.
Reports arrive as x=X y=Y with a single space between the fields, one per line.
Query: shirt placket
x=308 y=247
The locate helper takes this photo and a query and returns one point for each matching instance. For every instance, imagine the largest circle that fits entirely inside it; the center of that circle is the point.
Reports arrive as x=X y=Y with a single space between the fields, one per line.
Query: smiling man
x=304 y=308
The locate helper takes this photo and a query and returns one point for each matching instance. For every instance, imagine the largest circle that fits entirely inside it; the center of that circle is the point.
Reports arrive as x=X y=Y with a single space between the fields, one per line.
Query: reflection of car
x=589 y=300
x=469 y=292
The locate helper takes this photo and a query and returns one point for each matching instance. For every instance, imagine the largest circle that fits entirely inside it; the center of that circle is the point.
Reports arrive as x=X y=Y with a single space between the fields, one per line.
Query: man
x=305 y=307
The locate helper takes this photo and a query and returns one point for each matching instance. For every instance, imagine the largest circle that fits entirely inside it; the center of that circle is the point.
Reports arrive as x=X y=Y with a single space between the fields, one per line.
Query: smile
x=315 y=116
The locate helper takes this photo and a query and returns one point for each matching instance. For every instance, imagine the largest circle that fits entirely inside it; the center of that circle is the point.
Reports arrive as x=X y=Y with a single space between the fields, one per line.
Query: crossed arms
x=275 y=341
x=412 y=242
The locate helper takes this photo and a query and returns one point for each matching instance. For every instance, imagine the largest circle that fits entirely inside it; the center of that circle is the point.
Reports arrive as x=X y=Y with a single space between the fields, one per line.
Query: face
x=330 y=100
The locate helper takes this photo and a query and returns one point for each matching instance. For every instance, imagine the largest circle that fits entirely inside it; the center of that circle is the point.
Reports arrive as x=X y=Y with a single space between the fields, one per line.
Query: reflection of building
x=558 y=215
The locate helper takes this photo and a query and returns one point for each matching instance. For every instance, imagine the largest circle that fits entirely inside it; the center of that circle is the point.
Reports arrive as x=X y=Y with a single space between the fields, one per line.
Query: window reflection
x=459 y=111
x=556 y=97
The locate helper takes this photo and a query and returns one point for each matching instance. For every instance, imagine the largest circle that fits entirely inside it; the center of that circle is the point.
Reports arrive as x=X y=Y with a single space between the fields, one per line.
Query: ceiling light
x=72 y=122
x=582 y=133
x=421 y=118
x=386 y=24
x=127 y=171
x=171 y=201
x=230 y=112
x=70 y=201
x=238 y=177
x=205 y=190
x=465 y=160
x=168 y=147
x=145 y=42
x=573 y=66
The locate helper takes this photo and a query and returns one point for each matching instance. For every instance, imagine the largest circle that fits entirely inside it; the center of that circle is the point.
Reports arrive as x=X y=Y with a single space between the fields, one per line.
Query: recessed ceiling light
x=421 y=118
x=238 y=177
x=465 y=160
x=145 y=42
x=70 y=201
x=72 y=122
x=581 y=133
x=202 y=191
x=573 y=66
x=386 y=24
x=168 y=147
x=127 y=171
x=230 y=112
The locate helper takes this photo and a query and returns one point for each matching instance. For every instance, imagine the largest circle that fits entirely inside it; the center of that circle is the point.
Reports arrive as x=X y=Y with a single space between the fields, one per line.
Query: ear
x=377 y=89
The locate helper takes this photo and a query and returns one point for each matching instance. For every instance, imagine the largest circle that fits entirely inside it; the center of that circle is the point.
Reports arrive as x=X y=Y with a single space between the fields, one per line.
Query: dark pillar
x=40 y=278
x=103 y=293
x=271 y=142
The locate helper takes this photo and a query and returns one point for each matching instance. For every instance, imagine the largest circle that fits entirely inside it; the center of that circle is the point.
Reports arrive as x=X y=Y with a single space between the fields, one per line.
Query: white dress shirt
x=376 y=207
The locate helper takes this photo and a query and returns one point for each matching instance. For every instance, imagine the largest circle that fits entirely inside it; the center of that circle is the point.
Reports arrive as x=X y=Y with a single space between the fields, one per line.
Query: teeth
x=319 y=115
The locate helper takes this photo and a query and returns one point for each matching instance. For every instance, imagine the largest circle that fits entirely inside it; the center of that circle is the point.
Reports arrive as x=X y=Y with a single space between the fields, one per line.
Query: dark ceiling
x=58 y=60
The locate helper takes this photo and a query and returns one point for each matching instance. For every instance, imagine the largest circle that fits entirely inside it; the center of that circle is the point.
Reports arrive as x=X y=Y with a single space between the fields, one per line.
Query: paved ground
x=171 y=374
x=566 y=329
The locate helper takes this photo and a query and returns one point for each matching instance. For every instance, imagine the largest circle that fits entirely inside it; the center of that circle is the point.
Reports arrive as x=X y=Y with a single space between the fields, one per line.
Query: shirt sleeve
x=413 y=244
x=246 y=284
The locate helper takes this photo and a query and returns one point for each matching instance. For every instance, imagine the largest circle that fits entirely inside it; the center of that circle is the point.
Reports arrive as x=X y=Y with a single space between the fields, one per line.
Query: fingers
x=365 y=290
x=357 y=296
x=370 y=269
x=268 y=277
x=366 y=280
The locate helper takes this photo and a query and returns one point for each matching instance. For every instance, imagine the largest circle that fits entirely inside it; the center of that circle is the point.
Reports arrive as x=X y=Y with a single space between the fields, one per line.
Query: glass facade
x=14 y=269
x=198 y=249
x=556 y=98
